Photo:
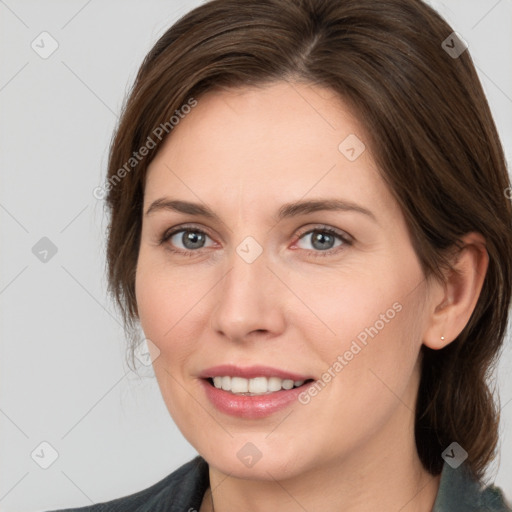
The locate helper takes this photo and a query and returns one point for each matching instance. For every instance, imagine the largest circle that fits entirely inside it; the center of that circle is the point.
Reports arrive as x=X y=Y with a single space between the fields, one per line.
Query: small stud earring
x=442 y=338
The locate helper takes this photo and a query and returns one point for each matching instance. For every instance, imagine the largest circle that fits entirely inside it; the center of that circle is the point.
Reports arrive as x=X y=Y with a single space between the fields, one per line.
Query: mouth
x=253 y=392
x=256 y=386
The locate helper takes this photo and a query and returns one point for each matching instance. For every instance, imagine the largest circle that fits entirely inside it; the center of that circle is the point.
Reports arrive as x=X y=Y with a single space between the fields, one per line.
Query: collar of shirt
x=184 y=488
x=458 y=490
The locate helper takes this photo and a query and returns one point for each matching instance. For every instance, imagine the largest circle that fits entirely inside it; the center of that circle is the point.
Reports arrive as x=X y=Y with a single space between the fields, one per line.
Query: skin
x=245 y=152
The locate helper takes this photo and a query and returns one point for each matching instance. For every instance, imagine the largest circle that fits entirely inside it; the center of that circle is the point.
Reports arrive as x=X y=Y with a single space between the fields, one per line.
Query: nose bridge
x=247 y=298
x=248 y=274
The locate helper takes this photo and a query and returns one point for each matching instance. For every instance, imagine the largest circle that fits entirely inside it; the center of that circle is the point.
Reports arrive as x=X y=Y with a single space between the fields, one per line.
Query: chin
x=254 y=457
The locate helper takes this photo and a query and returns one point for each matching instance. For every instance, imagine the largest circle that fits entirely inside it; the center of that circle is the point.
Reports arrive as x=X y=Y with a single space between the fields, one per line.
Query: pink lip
x=251 y=407
x=250 y=372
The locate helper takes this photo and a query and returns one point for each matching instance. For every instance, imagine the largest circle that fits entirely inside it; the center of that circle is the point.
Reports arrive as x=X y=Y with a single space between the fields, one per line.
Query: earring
x=442 y=338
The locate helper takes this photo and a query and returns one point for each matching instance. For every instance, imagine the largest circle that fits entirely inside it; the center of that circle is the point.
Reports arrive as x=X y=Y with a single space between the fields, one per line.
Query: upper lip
x=250 y=372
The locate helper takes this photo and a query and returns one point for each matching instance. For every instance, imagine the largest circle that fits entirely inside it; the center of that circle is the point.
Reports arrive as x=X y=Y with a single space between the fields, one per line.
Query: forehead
x=255 y=145
x=275 y=116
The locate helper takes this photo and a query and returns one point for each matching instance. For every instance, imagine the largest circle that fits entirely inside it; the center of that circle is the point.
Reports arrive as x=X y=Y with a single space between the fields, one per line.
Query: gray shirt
x=183 y=490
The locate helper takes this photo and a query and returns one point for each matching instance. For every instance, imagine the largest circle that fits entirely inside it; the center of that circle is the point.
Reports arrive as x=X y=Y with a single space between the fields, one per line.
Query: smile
x=255 y=386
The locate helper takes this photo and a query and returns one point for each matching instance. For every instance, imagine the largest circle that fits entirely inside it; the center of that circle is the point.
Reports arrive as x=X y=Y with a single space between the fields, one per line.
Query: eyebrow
x=287 y=210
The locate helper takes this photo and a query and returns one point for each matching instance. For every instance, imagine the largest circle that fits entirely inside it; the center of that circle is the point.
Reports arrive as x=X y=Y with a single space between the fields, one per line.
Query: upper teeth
x=257 y=386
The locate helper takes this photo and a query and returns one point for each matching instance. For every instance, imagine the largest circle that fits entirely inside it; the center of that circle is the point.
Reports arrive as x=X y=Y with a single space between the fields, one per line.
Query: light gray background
x=62 y=372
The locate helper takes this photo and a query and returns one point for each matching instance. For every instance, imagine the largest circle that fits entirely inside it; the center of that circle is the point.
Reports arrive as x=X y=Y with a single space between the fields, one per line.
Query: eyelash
x=320 y=229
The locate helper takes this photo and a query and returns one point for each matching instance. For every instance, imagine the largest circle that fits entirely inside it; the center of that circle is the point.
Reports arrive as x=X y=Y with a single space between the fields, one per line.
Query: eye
x=323 y=240
x=191 y=239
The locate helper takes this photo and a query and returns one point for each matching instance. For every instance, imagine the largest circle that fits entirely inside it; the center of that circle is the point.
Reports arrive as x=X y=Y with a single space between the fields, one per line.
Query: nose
x=250 y=300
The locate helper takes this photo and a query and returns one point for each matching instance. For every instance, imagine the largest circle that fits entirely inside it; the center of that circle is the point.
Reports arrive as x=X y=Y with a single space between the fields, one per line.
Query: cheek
x=154 y=292
x=152 y=295
x=346 y=307
x=367 y=332
x=379 y=360
x=169 y=302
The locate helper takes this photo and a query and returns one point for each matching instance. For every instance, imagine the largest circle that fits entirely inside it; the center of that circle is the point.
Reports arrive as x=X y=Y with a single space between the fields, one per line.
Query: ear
x=452 y=303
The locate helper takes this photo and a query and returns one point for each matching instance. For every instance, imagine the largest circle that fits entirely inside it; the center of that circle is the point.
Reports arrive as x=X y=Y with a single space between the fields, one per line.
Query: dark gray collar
x=460 y=492
x=184 y=488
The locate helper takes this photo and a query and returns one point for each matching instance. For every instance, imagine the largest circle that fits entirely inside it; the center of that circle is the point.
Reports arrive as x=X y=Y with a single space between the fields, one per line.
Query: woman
x=319 y=256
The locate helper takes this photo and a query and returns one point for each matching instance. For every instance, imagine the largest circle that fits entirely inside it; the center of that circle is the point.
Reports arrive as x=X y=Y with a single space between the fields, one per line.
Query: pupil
x=194 y=238
x=321 y=237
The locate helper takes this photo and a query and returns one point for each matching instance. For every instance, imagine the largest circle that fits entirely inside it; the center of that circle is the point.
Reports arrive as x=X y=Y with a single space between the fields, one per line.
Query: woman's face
x=261 y=289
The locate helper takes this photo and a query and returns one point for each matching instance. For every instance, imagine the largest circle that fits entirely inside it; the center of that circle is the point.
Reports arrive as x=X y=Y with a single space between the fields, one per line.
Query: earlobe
x=455 y=301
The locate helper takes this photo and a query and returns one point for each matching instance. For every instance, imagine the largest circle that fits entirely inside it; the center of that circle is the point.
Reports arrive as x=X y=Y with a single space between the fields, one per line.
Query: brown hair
x=431 y=132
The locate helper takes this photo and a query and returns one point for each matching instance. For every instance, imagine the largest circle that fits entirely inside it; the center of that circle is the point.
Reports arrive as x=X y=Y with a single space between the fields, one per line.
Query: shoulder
x=181 y=490
x=459 y=491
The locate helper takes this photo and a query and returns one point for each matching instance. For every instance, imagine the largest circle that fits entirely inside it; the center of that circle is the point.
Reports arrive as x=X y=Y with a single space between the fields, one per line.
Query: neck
x=352 y=487
x=385 y=474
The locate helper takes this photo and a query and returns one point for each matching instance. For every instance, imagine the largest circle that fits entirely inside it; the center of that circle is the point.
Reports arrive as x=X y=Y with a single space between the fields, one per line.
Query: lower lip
x=250 y=407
